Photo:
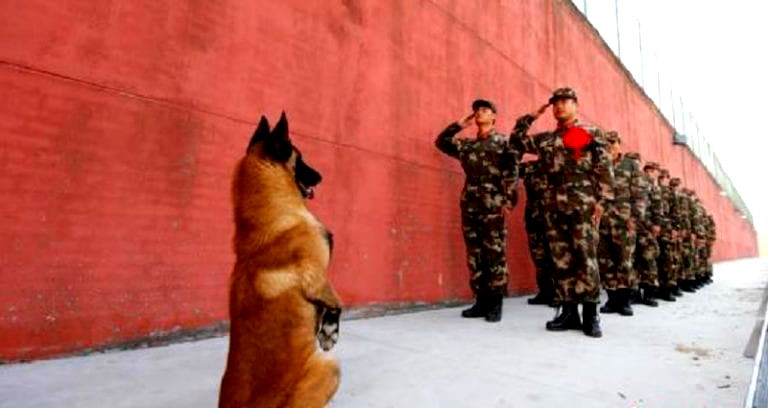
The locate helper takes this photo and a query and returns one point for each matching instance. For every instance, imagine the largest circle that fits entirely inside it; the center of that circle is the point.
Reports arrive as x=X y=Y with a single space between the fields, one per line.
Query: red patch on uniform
x=576 y=139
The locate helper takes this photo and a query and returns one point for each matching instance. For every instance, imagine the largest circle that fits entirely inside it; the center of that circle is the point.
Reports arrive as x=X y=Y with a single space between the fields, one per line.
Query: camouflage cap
x=563 y=93
x=478 y=103
x=613 y=137
x=652 y=166
x=675 y=181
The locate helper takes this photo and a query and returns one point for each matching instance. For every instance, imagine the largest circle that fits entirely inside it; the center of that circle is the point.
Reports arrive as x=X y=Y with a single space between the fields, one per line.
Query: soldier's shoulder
x=598 y=135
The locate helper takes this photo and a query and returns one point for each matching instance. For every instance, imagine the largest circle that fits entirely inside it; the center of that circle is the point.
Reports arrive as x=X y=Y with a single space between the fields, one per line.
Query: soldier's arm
x=602 y=173
x=510 y=171
x=684 y=217
x=520 y=139
x=655 y=207
x=699 y=225
x=639 y=192
x=445 y=140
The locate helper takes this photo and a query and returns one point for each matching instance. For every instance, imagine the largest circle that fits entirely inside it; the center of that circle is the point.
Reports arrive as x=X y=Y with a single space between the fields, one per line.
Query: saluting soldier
x=576 y=161
x=491 y=169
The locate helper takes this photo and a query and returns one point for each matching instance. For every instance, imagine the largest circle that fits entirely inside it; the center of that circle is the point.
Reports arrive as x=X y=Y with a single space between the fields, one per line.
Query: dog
x=284 y=313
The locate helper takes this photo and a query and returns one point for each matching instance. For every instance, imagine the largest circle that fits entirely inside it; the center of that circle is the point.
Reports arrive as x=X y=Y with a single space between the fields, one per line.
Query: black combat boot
x=495 y=303
x=622 y=303
x=610 y=305
x=541 y=299
x=479 y=309
x=686 y=286
x=675 y=290
x=648 y=294
x=699 y=282
x=591 y=326
x=568 y=319
x=665 y=293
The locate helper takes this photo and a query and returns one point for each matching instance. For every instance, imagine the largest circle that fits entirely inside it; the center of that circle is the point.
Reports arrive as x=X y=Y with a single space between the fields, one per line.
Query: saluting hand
x=466 y=120
x=540 y=111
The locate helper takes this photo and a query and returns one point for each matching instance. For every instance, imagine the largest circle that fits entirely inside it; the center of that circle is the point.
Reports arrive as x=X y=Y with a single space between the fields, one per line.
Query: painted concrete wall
x=120 y=124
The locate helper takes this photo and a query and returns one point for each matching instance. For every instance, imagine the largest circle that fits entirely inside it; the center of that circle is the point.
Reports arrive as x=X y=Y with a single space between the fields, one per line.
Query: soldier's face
x=651 y=173
x=484 y=116
x=564 y=110
x=663 y=181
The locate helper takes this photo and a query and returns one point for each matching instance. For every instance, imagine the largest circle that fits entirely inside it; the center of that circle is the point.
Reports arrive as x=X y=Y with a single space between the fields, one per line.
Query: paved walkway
x=684 y=354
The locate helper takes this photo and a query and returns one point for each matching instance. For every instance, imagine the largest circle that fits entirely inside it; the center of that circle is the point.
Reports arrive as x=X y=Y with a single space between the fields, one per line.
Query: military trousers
x=485 y=236
x=646 y=253
x=536 y=229
x=572 y=236
x=615 y=253
x=688 y=264
x=669 y=261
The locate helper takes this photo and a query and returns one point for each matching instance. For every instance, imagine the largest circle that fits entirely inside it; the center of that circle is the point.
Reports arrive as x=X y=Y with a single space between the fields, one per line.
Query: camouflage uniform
x=577 y=185
x=680 y=223
x=617 y=243
x=648 y=250
x=491 y=169
x=535 y=182
x=685 y=209
x=699 y=226
x=710 y=242
x=669 y=255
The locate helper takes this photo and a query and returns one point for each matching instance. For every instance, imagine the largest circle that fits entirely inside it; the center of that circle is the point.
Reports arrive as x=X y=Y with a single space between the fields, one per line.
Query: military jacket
x=680 y=211
x=667 y=202
x=698 y=218
x=535 y=182
x=575 y=183
x=631 y=191
x=654 y=215
x=490 y=166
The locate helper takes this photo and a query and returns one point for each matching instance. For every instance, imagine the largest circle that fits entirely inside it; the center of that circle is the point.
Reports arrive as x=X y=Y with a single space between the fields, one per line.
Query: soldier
x=710 y=242
x=699 y=226
x=535 y=182
x=648 y=232
x=678 y=213
x=491 y=170
x=687 y=239
x=580 y=176
x=669 y=254
x=618 y=228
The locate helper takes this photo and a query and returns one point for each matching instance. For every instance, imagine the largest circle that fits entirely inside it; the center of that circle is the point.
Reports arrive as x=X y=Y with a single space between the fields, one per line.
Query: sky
x=714 y=54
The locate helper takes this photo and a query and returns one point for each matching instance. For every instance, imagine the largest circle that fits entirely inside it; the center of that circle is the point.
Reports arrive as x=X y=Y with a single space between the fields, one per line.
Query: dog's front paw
x=328 y=328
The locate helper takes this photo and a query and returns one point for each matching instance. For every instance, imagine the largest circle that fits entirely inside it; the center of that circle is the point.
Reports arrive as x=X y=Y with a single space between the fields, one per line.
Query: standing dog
x=281 y=304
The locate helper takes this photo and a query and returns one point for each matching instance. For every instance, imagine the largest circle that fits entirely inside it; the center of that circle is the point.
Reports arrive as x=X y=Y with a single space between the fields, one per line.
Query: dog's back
x=281 y=302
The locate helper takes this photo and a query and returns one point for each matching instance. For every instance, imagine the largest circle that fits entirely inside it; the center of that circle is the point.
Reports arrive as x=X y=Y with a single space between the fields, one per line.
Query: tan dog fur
x=279 y=290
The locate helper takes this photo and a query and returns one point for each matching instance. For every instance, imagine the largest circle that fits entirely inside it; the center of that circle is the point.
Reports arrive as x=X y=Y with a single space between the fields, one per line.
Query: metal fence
x=621 y=26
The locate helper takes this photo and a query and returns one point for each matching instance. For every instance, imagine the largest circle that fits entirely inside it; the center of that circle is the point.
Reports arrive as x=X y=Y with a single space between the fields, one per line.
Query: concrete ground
x=684 y=354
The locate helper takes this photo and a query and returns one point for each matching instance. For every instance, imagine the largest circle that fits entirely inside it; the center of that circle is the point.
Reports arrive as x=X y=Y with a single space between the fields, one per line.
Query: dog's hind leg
x=320 y=382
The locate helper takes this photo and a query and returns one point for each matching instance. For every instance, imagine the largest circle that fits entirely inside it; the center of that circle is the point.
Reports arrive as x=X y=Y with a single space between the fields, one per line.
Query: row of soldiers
x=655 y=242
x=596 y=217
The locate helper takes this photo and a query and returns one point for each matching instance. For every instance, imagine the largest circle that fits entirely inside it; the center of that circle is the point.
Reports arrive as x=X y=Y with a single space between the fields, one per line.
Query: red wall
x=121 y=123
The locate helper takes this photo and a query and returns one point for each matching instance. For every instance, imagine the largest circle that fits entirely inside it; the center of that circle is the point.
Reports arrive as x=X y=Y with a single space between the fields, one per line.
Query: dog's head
x=275 y=145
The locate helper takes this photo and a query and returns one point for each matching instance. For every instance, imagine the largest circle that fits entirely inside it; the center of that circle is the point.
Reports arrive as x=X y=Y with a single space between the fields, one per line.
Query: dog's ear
x=278 y=145
x=261 y=134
